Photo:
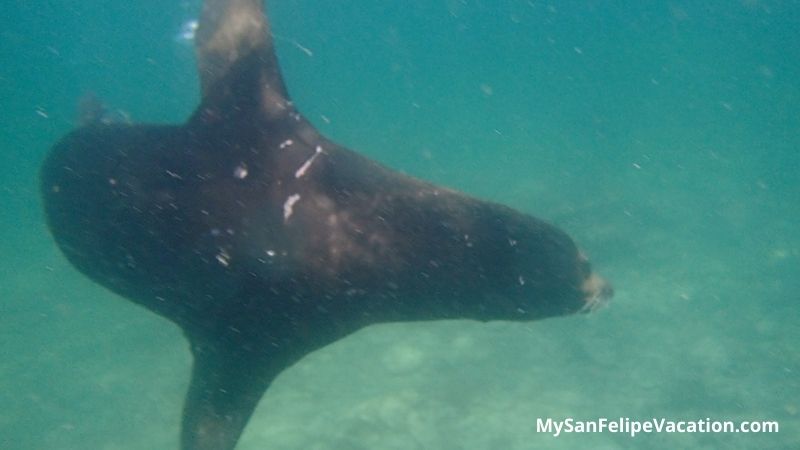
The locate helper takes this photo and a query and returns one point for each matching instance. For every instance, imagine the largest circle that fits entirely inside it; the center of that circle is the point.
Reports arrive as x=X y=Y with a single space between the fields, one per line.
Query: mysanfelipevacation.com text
x=653 y=425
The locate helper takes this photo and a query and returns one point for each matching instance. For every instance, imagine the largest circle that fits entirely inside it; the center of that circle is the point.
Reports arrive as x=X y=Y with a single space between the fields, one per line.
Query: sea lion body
x=264 y=241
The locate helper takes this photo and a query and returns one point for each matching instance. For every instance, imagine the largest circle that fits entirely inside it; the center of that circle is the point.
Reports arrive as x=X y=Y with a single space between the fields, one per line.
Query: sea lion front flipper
x=226 y=385
x=233 y=37
x=238 y=350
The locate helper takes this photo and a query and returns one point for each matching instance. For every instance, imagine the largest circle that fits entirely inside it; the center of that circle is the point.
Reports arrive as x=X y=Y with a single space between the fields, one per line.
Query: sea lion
x=264 y=241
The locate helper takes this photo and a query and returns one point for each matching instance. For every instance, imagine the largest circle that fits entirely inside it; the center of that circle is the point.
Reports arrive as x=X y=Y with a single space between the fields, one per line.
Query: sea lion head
x=536 y=271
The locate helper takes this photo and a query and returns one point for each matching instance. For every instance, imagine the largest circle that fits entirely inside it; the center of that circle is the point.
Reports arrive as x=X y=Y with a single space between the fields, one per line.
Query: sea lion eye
x=585 y=265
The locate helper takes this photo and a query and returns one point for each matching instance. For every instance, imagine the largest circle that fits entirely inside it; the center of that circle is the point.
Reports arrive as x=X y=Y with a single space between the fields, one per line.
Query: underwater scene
x=662 y=136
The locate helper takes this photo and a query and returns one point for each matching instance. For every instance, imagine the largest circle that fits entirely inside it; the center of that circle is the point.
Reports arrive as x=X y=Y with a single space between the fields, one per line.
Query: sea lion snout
x=597 y=292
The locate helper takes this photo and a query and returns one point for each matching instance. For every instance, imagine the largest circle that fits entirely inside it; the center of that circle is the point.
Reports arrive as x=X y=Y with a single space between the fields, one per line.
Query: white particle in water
x=302 y=170
x=174 y=175
x=240 y=171
x=223 y=258
x=288 y=206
